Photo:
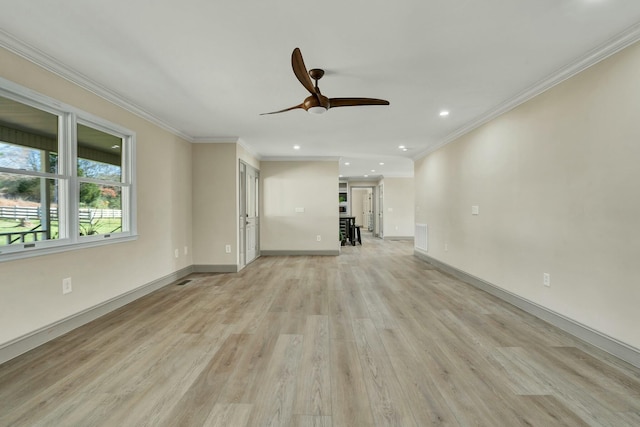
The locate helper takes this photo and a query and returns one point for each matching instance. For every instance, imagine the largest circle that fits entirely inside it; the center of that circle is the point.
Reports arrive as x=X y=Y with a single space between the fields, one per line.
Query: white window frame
x=68 y=119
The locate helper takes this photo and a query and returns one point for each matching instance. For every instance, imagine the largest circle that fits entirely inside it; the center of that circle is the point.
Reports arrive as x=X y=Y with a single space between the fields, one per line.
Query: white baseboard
x=36 y=338
x=604 y=342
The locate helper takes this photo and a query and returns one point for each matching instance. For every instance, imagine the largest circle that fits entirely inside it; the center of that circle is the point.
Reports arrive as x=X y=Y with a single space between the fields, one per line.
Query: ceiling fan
x=317 y=103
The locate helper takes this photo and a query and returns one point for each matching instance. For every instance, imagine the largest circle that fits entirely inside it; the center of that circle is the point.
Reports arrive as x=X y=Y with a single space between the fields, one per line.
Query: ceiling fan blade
x=300 y=71
x=354 y=102
x=282 y=111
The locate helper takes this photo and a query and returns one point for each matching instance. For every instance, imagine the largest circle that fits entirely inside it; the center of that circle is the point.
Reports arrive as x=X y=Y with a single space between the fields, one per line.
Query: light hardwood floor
x=374 y=337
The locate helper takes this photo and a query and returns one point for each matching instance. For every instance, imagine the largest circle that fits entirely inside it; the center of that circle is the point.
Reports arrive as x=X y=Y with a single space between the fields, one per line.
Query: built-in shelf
x=343 y=197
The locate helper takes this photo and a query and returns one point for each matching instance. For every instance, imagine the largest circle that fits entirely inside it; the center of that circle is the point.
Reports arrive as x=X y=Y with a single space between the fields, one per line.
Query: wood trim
x=604 y=342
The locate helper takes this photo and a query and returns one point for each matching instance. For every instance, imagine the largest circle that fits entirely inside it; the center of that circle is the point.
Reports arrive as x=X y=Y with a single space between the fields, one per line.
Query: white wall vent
x=420 y=239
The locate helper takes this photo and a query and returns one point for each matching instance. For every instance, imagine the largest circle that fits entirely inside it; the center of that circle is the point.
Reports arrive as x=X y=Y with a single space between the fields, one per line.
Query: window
x=65 y=176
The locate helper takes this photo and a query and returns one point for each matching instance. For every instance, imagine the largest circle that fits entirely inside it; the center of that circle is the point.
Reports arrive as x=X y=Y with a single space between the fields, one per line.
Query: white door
x=369 y=209
x=365 y=210
x=381 y=211
x=252 y=218
x=242 y=221
x=249 y=218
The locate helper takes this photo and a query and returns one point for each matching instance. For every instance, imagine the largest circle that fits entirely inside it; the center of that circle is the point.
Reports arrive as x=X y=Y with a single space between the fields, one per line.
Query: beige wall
x=398 y=207
x=242 y=154
x=287 y=185
x=215 y=203
x=31 y=289
x=247 y=157
x=556 y=182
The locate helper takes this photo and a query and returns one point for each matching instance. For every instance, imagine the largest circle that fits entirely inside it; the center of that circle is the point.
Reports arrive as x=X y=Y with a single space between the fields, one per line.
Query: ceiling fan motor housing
x=316 y=101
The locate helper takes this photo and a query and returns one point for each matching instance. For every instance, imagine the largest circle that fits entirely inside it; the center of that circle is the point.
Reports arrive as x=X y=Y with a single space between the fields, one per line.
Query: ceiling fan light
x=317 y=110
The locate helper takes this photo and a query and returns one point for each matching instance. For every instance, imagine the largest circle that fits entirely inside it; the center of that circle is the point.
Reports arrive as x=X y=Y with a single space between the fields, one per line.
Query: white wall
x=31 y=289
x=556 y=182
x=287 y=185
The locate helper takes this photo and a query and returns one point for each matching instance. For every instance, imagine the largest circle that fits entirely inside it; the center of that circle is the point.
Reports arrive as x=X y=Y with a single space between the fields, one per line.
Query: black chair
x=348 y=228
x=344 y=230
x=358 y=238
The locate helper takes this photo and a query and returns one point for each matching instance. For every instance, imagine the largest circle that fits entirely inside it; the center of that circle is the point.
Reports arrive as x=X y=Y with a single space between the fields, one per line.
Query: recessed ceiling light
x=444 y=113
x=373 y=170
x=381 y=163
x=401 y=147
x=296 y=147
x=347 y=163
x=339 y=176
x=366 y=176
x=405 y=149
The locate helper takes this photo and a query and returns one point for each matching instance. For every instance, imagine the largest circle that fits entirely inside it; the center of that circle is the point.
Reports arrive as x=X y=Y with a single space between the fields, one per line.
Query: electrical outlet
x=227 y=249
x=546 y=279
x=318 y=238
x=66 y=285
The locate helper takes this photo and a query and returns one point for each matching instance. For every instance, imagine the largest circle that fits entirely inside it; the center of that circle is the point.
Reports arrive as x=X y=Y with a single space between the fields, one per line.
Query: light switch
x=475 y=210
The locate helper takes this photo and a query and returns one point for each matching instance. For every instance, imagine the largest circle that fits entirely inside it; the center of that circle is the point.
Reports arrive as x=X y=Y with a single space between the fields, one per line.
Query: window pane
x=28 y=137
x=99 y=154
x=100 y=209
x=28 y=209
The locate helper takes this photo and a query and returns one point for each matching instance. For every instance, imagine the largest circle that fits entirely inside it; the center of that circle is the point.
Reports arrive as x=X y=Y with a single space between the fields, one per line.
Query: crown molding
x=249 y=149
x=215 y=139
x=612 y=46
x=398 y=175
x=32 y=54
x=41 y=59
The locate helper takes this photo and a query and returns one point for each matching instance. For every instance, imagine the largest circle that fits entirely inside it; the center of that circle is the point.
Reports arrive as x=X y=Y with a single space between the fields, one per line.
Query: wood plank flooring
x=374 y=337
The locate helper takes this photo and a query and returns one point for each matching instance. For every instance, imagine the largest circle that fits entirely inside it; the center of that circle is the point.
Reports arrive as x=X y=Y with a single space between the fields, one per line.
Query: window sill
x=29 y=253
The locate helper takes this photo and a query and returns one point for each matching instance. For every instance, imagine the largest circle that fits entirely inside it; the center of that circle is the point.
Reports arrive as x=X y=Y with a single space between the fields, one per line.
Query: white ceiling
x=206 y=69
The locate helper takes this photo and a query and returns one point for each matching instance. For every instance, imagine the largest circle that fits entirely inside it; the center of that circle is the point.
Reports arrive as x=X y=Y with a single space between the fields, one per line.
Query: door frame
x=380 y=204
x=242 y=212
x=374 y=207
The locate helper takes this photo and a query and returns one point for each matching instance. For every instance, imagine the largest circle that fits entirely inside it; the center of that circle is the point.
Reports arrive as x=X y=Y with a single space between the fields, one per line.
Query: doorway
x=249 y=221
x=364 y=207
